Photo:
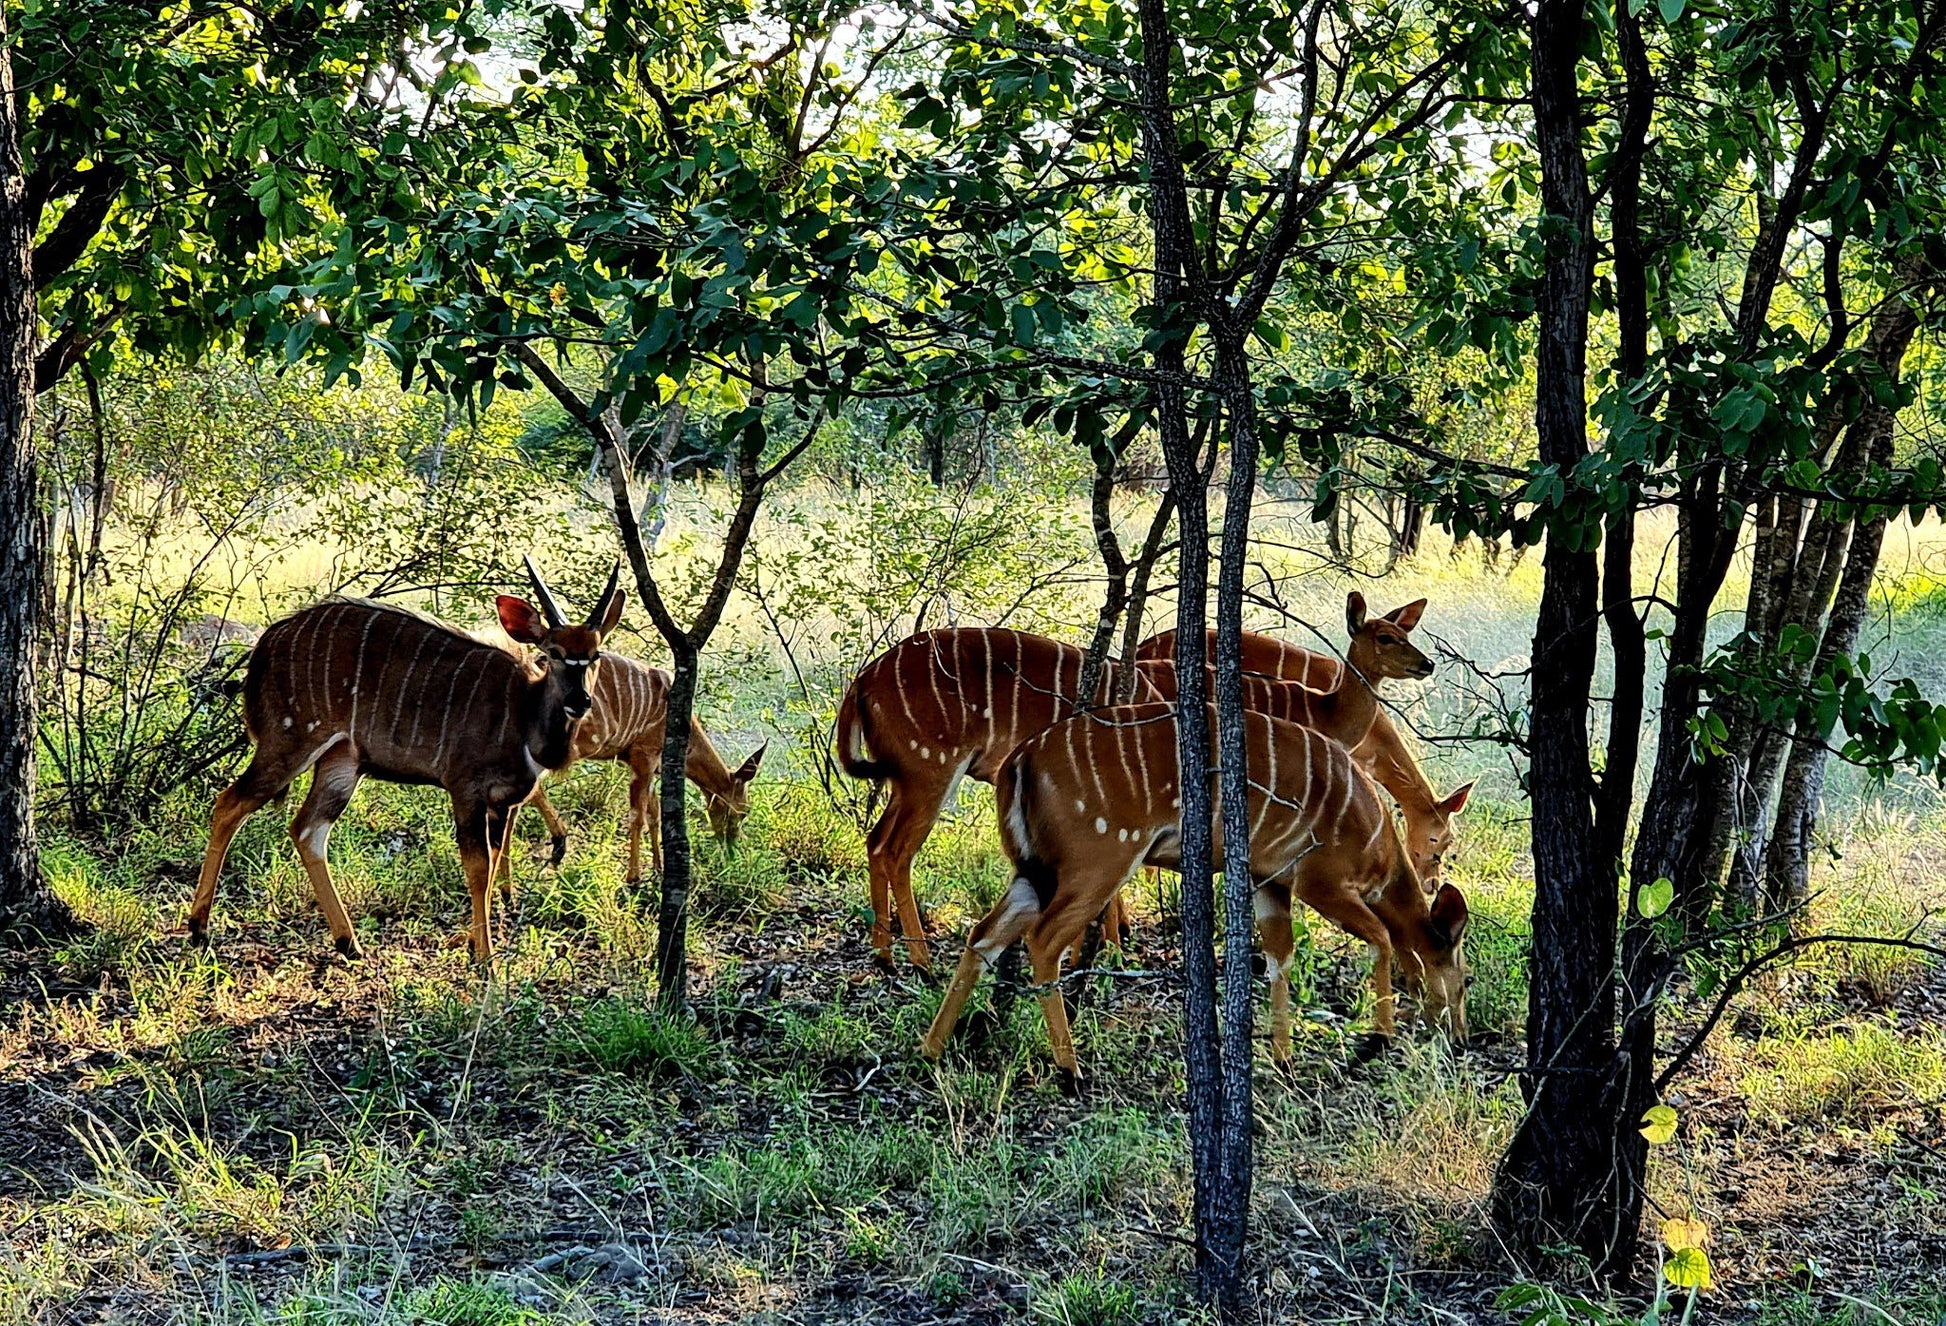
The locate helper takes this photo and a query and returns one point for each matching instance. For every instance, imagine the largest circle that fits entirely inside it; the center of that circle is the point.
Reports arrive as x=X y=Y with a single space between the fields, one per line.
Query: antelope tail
x=853 y=741
x=1017 y=826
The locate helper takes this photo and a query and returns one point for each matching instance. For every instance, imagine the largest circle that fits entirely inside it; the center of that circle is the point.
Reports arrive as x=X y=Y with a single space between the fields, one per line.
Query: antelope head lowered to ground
x=629 y=718
x=351 y=688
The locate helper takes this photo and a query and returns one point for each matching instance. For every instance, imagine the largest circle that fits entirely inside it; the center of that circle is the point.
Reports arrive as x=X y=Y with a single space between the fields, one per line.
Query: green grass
x=619 y=1036
x=1846 y=1075
x=264 y=1093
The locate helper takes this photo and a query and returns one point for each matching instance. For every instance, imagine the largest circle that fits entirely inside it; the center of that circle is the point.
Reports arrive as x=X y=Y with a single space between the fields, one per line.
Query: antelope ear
x=520 y=619
x=1455 y=802
x=1407 y=617
x=613 y=616
x=1449 y=914
x=1354 y=612
x=748 y=770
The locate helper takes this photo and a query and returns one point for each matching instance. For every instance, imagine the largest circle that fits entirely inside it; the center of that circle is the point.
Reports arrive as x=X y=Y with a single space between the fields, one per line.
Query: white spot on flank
x=925 y=752
x=1175 y=803
x=913 y=744
x=1121 y=835
x=311 y=726
x=287 y=720
x=1079 y=804
x=1101 y=825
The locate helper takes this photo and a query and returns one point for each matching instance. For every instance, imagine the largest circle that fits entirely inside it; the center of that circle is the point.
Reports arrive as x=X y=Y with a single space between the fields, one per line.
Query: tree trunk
x=685 y=645
x=1216 y=1278
x=1114 y=597
x=1787 y=850
x=26 y=903
x=1138 y=594
x=672 y=916
x=1800 y=594
x=1558 y=1185
x=1231 y=1222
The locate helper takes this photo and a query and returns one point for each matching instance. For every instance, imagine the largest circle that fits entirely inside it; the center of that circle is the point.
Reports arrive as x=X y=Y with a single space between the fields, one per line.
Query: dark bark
x=1138 y=593
x=1114 y=563
x=1233 y=779
x=1216 y=1279
x=1558 y=1184
x=26 y=903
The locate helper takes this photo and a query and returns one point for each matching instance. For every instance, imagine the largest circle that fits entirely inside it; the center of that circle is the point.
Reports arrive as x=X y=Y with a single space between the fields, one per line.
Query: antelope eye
x=1469 y=981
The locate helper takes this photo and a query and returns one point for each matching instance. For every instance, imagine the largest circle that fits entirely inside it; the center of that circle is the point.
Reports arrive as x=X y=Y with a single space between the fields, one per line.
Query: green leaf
x=1654 y=899
x=1688 y=1268
x=1671 y=9
x=1659 y=1124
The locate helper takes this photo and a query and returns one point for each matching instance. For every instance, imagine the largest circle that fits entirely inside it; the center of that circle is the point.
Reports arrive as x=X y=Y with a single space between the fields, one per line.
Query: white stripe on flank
x=419 y=709
x=898 y=686
x=1337 y=821
x=1270 y=783
x=446 y=710
x=358 y=672
x=405 y=687
x=1122 y=737
x=324 y=690
x=986 y=644
x=1142 y=759
x=318 y=618
x=932 y=673
x=1013 y=712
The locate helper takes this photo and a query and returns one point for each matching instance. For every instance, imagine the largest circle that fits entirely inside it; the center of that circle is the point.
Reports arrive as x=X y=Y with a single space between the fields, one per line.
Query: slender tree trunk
x=1787 y=849
x=1114 y=599
x=25 y=900
x=672 y=915
x=1138 y=594
x=685 y=645
x=1233 y=781
x=1557 y=1185
x=1169 y=219
x=1643 y=959
x=1800 y=594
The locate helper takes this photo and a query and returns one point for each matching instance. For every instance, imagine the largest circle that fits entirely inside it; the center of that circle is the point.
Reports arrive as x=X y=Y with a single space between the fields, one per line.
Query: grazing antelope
x=935 y=707
x=1092 y=798
x=1428 y=816
x=351 y=687
x=627 y=724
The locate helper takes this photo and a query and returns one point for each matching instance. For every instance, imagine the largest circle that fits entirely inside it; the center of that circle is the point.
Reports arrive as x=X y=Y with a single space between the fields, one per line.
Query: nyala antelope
x=351 y=688
x=934 y=708
x=627 y=724
x=1346 y=709
x=1086 y=802
x=1383 y=751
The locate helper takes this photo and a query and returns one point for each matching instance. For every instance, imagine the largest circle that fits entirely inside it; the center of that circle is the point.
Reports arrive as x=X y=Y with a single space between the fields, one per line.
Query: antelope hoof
x=1371 y=1045
x=348 y=949
x=979 y=1026
x=560 y=852
x=1069 y=1081
x=198 y=935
